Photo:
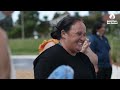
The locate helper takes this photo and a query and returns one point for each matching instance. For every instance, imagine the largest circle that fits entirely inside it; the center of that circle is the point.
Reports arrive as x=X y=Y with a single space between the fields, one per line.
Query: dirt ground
x=28 y=74
x=24 y=74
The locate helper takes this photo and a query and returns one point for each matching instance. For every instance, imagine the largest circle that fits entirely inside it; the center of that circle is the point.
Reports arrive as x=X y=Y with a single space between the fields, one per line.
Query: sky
x=50 y=14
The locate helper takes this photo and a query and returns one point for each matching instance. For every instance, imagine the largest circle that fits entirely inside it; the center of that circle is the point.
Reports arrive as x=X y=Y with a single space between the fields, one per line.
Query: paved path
x=26 y=63
x=115 y=72
x=23 y=62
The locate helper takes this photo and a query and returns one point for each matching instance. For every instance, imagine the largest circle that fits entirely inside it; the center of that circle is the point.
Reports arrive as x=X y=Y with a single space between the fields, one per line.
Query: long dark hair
x=64 y=24
x=97 y=26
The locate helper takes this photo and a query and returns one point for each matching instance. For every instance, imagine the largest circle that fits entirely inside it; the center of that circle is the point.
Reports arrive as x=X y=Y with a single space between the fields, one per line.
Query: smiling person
x=85 y=49
x=71 y=33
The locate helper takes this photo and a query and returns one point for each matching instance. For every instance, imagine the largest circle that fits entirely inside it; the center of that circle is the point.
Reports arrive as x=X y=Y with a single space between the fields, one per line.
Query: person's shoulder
x=91 y=37
x=53 y=51
x=48 y=55
x=105 y=38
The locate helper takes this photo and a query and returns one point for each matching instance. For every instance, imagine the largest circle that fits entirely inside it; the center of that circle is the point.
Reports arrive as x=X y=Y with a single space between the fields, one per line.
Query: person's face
x=76 y=36
x=102 y=30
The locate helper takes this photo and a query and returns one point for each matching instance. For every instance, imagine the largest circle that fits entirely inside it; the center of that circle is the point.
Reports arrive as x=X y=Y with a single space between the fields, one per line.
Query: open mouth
x=80 y=43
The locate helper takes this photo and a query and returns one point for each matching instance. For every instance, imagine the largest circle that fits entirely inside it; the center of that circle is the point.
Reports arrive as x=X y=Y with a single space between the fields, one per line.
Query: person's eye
x=79 y=33
x=84 y=34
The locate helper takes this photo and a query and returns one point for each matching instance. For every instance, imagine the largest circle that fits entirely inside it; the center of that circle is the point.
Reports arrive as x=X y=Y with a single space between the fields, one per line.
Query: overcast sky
x=50 y=14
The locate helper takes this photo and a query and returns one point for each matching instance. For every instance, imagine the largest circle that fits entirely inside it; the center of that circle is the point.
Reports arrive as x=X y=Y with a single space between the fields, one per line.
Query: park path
x=24 y=67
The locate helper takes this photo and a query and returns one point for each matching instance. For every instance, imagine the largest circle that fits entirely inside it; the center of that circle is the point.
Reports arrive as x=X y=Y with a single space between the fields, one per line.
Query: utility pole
x=22 y=24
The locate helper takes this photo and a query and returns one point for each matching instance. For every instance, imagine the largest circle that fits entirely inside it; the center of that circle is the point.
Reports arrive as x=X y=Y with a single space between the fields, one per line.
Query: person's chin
x=78 y=50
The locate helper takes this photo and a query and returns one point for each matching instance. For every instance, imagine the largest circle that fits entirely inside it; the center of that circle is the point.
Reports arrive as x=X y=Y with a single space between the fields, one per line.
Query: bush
x=15 y=32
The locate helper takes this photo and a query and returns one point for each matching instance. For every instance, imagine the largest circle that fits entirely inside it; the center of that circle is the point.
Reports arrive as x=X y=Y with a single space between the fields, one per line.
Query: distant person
x=100 y=46
x=7 y=70
x=71 y=33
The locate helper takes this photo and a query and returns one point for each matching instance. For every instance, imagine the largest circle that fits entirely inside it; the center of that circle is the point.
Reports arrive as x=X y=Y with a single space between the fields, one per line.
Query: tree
x=89 y=22
x=77 y=14
x=7 y=23
x=56 y=15
x=30 y=21
x=43 y=28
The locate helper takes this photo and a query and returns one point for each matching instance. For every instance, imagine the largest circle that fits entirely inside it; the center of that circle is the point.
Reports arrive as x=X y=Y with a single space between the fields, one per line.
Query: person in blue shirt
x=100 y=46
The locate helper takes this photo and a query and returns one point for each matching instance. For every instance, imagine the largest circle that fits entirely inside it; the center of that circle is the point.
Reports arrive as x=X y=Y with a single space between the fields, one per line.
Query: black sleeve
x=91 y=66
x=86 y=60
x=43 y=68
x=47 y=62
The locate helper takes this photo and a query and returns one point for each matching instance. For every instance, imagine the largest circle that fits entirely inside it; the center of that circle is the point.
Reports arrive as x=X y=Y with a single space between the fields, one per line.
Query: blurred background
x=27 y=29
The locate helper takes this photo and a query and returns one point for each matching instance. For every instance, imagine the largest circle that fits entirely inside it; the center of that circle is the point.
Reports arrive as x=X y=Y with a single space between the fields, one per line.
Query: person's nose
x=83 y=38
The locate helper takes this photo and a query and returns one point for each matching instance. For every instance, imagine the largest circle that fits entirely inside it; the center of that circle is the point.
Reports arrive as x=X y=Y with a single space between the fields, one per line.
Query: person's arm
x=111 y=60
x=4 y=56
x=92 y=56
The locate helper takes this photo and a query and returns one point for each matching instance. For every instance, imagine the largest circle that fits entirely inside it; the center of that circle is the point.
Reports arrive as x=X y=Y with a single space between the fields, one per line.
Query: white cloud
x=50 y=14
x=15 y=15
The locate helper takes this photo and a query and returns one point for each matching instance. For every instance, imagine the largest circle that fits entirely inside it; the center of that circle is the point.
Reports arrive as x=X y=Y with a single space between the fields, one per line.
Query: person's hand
x=85 y=46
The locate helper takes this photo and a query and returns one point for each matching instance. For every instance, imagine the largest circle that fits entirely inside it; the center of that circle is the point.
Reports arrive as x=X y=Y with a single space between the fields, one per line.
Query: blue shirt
x=101 y=47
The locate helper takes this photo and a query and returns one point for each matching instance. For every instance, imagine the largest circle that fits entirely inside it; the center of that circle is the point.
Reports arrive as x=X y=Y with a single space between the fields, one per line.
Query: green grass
x=115 y=48
x=24 y=47
x=30 y=46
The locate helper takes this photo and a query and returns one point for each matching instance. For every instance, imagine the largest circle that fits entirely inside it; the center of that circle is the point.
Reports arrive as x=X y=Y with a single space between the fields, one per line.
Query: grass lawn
x=24 y=47
x=115 y=48
x=30 y=46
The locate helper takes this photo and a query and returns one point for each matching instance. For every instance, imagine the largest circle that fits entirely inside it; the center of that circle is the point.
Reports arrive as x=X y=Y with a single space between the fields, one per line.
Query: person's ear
x=63 y=34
